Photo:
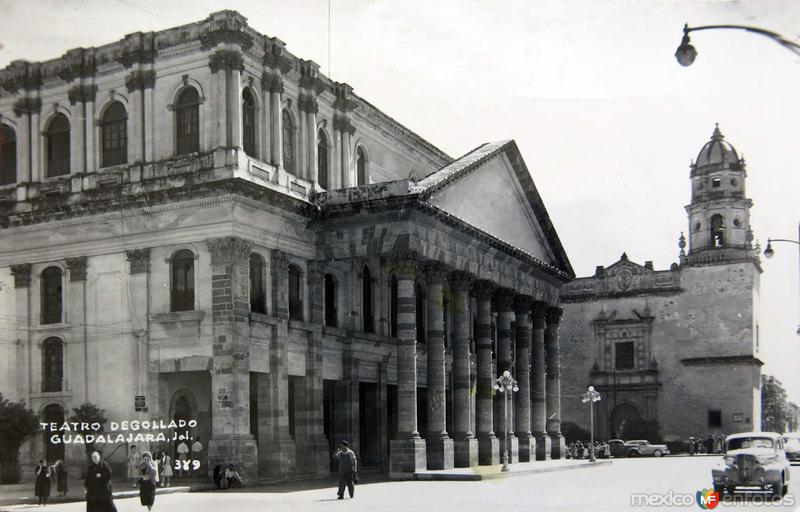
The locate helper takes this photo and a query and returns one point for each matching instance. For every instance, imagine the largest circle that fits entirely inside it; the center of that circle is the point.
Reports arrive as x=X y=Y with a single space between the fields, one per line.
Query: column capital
x=523 y=304
x=315 y=271
x=538 y=314
x=280 y=262
x=342 y=123
x=27 y=105
x=504 y=299
x=228 y=250
x=226 y=60
x=22 y=275
x=82 y=94
x=554 y=315
x=272 y=82
x=140 y=80
x=139 y=261
x=483 y=289
x=435 y=272
x=77 y=268
x=460 y=281
x=307 y=103
x=404 y=263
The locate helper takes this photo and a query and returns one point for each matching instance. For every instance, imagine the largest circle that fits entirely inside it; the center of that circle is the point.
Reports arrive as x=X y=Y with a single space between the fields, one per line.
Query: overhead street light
x=686 y=53
x=769 y=252
x=506 y=384
x=591 y=396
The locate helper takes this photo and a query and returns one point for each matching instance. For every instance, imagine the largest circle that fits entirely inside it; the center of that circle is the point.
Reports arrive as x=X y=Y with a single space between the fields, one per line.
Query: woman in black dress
x=147 y=485
x=43 y=474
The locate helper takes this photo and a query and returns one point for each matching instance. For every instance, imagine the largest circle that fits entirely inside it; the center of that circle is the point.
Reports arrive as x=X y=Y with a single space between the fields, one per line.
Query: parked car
x=617 y=448
x=753 y=459
x=791 y=444
x=644 y=448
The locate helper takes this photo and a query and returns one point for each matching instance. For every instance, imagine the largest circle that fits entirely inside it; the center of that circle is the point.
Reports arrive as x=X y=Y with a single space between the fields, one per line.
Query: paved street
x=606 y=488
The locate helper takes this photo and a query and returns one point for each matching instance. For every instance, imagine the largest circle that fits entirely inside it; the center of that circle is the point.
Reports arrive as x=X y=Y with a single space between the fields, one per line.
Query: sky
x=606 y=119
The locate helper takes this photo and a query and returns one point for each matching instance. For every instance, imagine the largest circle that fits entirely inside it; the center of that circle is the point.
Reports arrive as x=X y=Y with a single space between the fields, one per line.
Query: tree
x=89 y=414
x=774 y=406
x=17 y=424
x=640 y=428
x=573 y=432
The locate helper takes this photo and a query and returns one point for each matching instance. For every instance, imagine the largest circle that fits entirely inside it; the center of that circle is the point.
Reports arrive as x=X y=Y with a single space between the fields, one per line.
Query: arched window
x=57 y=142
x=182 y=290
x=52 y=365
x=361 y=166
x=295 y=294
x=8 y=155
x=330 y=301
x=393 y=306
x=717 y=231
x=248 y=122
x=52 y=295
x=114 y=135
x=288 y=143
x=187 y=122
x=366 y=300
x=419 y=298
x=53 y=414
x=322 y=160
x=258 y=296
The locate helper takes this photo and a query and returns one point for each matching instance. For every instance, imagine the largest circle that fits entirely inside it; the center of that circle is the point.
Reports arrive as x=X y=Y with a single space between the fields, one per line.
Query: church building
x=198 y=225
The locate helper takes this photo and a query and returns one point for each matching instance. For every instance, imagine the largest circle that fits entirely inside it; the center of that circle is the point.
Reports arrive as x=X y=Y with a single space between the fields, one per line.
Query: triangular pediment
x=625 y=263
x=491 y=189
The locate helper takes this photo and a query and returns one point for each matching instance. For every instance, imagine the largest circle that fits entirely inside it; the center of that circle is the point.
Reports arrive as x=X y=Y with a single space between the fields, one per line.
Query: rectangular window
x=714 y=418
x=716 y=182
x=624 y=355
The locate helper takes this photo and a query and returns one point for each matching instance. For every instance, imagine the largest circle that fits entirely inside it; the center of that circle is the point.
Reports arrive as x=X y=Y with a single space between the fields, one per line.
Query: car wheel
x=657 y=453
x=778 y=489
x=633 y=453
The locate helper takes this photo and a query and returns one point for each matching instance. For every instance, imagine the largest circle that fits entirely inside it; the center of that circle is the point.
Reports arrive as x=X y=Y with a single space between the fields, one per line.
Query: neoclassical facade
x=678 y=346
x=199 y=225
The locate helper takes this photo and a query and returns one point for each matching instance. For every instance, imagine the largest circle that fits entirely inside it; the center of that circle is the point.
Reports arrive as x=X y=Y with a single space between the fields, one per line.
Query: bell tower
x=719 y=214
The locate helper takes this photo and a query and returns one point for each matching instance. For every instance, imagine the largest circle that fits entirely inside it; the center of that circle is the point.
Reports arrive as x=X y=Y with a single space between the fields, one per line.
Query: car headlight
x=766 y=459
x=730 y=461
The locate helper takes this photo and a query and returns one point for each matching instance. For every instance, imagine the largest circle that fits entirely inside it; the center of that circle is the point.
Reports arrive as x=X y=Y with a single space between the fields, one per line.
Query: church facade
x=199 y=226
x=677 y=346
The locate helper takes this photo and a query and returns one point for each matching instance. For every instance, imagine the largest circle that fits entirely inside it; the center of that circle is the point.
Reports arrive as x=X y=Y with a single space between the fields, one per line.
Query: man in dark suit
x=348 y=465
x=98 y=486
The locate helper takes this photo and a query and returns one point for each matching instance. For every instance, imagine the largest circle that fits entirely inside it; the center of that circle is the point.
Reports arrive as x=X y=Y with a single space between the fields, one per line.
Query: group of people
x=98 y=483
x=713 y=443
x=161 y=459
x=226 y=477
x=45 y=474
x=581 y=449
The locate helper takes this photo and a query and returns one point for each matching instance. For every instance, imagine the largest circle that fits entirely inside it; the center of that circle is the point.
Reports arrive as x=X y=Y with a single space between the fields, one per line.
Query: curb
x=471 y=477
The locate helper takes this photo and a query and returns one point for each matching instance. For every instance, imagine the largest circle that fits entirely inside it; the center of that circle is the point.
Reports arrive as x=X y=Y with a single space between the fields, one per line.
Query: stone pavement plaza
x=600 y=489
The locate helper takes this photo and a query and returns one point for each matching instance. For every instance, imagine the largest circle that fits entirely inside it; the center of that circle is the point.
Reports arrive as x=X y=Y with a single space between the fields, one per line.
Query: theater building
x=678 y=346
x=199 y=225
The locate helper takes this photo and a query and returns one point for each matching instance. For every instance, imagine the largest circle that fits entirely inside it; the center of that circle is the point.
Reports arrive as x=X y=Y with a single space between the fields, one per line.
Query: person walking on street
x=61 y=477
x=166 y=464
x=98 y=486
x=348 y=466
x=42 y=486
x=133 y=464
x=148 y=481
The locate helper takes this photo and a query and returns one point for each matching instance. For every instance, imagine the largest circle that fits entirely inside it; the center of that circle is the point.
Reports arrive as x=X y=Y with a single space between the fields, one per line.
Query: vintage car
x=791 y=445
x=644 y=448
x=753 y=460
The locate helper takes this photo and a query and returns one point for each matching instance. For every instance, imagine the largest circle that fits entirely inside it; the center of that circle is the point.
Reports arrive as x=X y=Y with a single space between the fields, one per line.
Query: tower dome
x=717 y=151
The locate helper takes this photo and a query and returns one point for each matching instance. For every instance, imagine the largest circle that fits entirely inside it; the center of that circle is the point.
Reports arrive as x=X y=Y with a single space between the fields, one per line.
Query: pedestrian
x=348 y=467
x=197 y=451
x=42 y=485
x=148 y=480
x=710 y=444
x=61 y=477
x=98 y=486
x=166 y=465
x=133 y=464
x=218 y=474
x=183 y=456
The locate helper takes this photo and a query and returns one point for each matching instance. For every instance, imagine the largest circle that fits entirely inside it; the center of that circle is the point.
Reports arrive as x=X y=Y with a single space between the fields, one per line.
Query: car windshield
x=793 y=441
x=750 y=442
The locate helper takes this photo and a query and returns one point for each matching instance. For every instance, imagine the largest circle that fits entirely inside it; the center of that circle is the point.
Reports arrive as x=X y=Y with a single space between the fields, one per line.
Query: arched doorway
x=53 y=413
x=621 y=416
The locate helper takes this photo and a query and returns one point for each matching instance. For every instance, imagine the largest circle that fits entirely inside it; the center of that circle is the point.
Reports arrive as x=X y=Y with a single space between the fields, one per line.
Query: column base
x=513 y=448
x=440 y=453
x=279 y=459
x=238 y=449
x=527 y=448
x=407 y=455
x=465 y=452
x=558 y=448
x=488 y=450
x=543 y=446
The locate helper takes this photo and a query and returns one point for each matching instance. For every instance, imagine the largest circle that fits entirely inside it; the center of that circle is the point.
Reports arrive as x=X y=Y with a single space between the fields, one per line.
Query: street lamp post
x=506 y=384
x=686 y=52
x=591 y=396
x=769 y=252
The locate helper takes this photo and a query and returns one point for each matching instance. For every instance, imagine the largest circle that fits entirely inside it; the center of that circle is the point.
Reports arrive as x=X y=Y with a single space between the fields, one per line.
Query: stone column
x=37 y=166
x=488 y=444
x=465 y=444
x=539 y=416
x=347 y=174
x=504 y=299
x=407 y=452
x=148 y=112
x=273 y=83
x=527 y=443
x=554 y=383
x=23 y=148
x=311 y=136
x=230 y=375
x=235 y=104
x=139 y=270
x=20 y=370
x=439 y=444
